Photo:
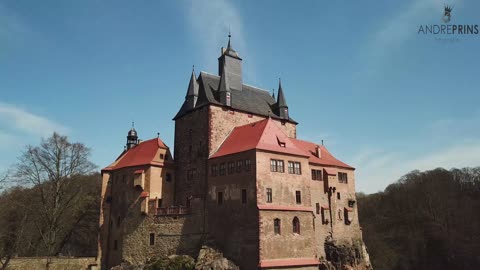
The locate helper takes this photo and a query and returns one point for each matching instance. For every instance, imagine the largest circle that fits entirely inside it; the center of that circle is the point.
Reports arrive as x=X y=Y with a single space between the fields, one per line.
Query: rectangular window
x=290 y=167
x=223 y=170
x=317 y=175
x=152 y=239
x=298 y=168
x=159 y=203
x=231 y=167
x=318 y=208
x=239 y=166
x=298 y=197
x=220 y=198
x=276 y=165
x=214 y=170
x=273 y=165
x=244 y=196
x=269 y=195
x=276 y=226
x=294 y=167
x=248 y=165
x=342 y=177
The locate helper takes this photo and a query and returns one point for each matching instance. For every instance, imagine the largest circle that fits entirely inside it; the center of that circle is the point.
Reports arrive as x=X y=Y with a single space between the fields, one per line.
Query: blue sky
x=356 y=74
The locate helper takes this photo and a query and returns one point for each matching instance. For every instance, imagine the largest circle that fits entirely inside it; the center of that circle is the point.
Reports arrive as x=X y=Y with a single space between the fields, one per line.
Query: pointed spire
x=281 y=105
x=229 y=47
x=224 y=88
x=192 y=85
x=281 y=102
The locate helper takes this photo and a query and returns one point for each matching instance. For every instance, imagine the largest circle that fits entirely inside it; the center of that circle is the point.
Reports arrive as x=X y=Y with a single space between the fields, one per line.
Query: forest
x=50 y=199
x=425 y=220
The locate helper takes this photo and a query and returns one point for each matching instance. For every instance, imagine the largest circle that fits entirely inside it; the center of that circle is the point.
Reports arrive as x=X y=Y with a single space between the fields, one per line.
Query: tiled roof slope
x=249 y=99
x=142 y=154
x=266 y=135
x=262 y=135
x=326 y=158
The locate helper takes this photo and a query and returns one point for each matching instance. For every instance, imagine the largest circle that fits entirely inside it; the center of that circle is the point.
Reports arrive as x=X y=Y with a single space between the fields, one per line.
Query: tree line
x=426 y=220
x=49 y=204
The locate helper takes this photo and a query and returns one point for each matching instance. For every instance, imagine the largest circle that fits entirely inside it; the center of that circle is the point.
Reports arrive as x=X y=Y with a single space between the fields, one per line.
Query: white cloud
x=378 y=169
x=14 y=119
x=210 y=22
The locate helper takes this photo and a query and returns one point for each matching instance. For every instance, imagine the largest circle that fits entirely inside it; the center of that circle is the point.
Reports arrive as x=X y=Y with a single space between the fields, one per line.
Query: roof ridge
x=224 y=139
x=246 y=84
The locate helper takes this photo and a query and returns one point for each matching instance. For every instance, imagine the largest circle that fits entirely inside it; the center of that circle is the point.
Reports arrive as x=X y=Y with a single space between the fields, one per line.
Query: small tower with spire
x=224 y=89
x=230 y=65
x=192 y=91
x=281 y=106
x=132 y=137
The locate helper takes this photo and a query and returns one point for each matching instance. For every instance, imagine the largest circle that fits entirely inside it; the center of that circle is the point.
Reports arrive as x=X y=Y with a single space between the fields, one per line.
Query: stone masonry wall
x=233 y=224
x=57 y=263
x=223 y=120
x=171 y=237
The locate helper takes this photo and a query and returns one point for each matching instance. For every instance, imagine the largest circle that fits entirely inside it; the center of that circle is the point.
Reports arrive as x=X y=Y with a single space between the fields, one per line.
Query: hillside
x=426 y=220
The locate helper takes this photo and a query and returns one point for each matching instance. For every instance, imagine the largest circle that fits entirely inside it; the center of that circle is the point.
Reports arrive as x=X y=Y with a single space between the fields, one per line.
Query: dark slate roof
x=281 y=97
x=249 y=99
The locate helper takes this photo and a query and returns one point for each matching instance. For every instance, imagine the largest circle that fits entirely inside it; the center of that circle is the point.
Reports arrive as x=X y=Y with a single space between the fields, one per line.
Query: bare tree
x=50 y=169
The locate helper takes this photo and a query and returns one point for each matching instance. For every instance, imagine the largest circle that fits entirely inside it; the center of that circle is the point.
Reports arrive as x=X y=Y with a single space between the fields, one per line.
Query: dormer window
x=281 y=142
x=162 y=156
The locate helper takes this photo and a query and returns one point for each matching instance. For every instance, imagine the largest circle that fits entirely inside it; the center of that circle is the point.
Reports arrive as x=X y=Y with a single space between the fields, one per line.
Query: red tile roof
x=325 y=159
x=262 y=135
x=330 y=171
x=266 y=135
x=142 y=154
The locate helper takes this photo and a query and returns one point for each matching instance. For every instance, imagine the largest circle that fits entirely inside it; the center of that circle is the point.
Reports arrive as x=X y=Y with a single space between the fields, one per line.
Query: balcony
x=172 y=211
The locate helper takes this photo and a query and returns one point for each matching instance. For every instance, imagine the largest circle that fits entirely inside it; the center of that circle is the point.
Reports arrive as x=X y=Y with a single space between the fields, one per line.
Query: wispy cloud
x=14 y=119
x=210 y=22
x=380 y=170
x=377 y=168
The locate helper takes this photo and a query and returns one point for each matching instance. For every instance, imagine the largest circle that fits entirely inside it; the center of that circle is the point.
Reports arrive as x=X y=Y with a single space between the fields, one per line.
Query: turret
x=281 y=107
x=230 y=65
x=132 y=138
x=192 y=91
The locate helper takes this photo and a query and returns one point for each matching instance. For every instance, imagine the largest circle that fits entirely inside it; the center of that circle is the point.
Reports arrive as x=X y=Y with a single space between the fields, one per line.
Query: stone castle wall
x=223 y=120
x=56 y=263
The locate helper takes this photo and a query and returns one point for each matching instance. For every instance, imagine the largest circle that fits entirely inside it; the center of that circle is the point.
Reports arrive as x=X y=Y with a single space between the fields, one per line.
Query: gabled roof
x=262 y=135
x=326 y=158
x=250 y=99
x=142 y=154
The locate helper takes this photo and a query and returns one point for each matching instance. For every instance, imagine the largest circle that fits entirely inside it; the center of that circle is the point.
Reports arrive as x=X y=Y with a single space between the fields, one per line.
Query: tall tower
x=231 y=64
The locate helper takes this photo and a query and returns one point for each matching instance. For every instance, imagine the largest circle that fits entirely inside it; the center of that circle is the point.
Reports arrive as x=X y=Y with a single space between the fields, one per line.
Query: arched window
x=296 y=225
x=276 y=226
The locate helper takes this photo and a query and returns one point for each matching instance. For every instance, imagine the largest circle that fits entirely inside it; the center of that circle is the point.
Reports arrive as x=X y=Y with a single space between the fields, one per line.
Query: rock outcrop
x=212 y=259
x=346 y=256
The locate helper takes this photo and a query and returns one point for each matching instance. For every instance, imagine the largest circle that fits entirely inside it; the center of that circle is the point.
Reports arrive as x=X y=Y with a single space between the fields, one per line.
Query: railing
x=171 y=211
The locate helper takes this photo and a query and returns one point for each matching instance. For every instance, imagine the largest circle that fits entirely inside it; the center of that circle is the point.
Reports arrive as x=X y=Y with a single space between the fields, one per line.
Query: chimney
x=318 y=151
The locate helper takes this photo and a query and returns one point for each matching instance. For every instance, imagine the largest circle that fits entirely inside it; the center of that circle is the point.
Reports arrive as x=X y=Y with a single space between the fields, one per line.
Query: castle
x=239 y=178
